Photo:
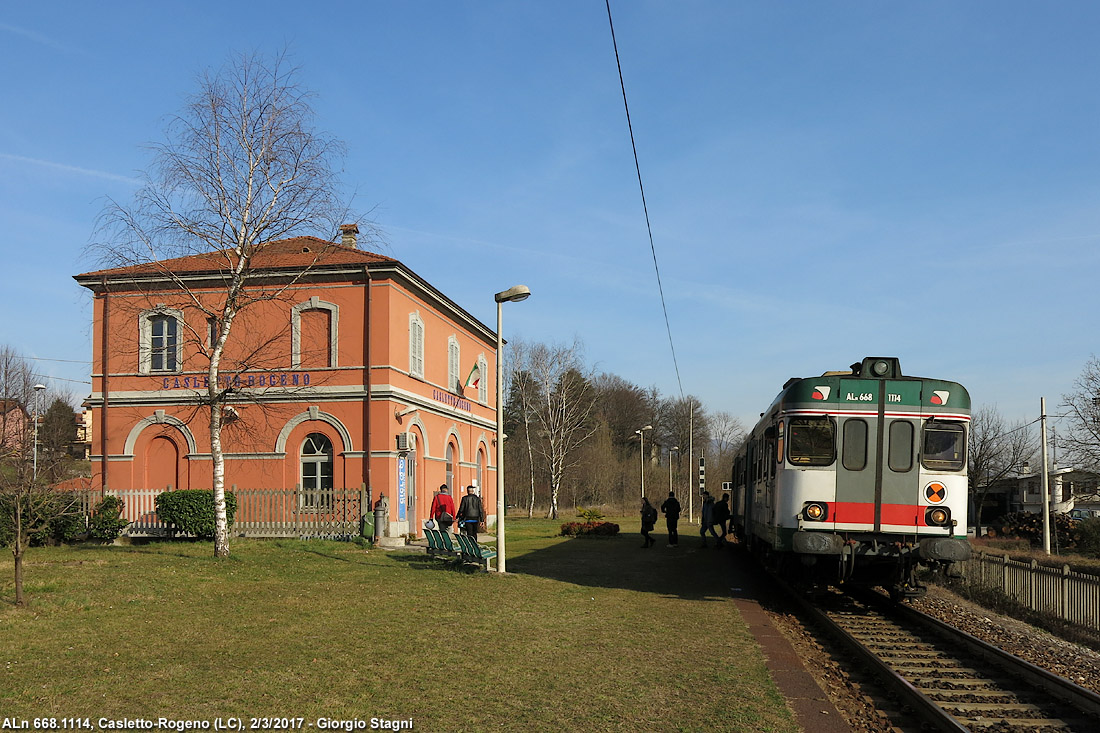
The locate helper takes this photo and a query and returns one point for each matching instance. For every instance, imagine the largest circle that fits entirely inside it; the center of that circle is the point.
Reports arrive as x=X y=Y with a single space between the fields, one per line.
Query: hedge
x=191 y=511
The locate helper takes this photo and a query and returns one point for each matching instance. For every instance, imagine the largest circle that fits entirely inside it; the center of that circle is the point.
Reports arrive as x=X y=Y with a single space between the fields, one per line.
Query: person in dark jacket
x=671 y=510
x=720 y=515
x=706 y=518
x=470 y=514
x=649 y=519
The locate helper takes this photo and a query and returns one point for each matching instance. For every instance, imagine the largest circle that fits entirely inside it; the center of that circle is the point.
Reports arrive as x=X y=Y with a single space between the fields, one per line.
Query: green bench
x=473 y=552
x=440 y=543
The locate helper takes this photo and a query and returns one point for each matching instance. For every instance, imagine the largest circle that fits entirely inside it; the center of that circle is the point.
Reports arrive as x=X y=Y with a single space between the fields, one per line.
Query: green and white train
x=857 y=477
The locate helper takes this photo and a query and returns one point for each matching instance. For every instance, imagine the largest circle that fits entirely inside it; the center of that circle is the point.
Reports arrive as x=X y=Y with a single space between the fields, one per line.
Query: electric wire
x=645 y=209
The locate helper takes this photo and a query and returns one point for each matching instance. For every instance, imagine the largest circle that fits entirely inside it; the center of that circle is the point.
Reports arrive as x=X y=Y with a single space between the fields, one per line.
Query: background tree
x=1083 y=406
x=519 y=414
x=27 y=506
x=563 y=410
x=242 y=166
x=996 y=451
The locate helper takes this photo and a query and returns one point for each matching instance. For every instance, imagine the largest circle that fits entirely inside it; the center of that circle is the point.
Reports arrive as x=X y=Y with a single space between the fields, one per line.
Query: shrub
x=192 y=511
x=590 y=515
x=1088 y=536
x=106 y=522
x=589 y=529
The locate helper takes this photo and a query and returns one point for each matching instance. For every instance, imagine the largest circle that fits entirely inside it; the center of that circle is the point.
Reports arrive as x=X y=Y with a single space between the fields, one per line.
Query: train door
x=877 y=477
x=856 y=471
x=899 y=496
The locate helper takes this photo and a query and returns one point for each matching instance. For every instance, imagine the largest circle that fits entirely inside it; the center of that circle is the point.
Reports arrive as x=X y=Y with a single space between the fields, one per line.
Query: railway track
x=948 y=679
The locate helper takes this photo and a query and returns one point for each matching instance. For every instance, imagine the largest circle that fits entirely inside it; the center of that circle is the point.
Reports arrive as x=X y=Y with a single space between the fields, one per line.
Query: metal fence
x=333 y=514
x=1069 y=595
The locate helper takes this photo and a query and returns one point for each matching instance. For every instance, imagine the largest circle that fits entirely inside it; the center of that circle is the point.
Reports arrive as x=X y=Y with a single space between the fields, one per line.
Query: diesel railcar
x=857 y=477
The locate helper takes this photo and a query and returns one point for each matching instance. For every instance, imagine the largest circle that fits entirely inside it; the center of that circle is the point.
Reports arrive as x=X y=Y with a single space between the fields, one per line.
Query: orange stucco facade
x=337 y=342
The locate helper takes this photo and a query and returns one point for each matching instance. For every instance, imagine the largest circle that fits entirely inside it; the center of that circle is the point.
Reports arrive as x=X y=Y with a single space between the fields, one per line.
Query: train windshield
x=944 y=446
x=811 y=441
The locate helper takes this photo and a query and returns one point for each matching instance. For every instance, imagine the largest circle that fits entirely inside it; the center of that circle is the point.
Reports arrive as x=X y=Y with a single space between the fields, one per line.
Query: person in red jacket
x=443 y=509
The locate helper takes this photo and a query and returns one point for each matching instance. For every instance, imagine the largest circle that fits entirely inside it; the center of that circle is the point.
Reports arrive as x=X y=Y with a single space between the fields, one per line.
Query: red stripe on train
x=864 y=513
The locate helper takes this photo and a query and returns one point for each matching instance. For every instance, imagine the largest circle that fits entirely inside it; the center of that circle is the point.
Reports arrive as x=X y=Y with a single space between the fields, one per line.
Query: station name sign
x=266 y=379
x=450 y=399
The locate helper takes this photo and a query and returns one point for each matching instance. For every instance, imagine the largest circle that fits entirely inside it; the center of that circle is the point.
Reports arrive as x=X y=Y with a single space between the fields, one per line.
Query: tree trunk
x=17 y=551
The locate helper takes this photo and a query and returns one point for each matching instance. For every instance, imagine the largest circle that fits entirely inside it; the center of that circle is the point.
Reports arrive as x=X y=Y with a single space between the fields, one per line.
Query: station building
x=347 y=369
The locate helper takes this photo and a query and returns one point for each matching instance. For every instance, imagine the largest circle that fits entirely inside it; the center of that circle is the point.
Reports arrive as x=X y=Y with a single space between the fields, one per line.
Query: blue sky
x=826 y=181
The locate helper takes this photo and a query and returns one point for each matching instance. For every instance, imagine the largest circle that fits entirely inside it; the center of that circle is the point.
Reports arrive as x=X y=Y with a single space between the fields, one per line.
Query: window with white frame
x=454 y=370
x=416 y=345
x=159 y=340
x=483 y=384
x=316 y=472
x=314 y=334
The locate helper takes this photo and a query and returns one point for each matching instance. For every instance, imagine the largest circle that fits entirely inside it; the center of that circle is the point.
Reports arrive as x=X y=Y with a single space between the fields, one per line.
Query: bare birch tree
x=520 y=413
x=242 y=166
x=565 y=402
x=1082 y=440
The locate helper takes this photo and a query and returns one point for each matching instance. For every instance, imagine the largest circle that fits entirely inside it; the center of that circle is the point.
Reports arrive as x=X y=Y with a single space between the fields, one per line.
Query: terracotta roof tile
x=280 y=254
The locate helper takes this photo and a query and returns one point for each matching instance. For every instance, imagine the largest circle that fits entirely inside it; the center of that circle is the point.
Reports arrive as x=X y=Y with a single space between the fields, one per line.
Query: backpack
x=650 y=514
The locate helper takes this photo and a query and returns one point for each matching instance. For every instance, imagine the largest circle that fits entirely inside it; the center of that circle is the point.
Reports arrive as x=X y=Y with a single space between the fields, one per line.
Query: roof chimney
x=348 y=234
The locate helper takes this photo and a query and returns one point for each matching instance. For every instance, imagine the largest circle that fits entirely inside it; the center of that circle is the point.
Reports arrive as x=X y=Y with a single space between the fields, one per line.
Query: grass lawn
x=581 y=634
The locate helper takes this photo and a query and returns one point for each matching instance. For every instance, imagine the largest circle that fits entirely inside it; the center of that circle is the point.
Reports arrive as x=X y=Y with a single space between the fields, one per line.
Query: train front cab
x=868 y=478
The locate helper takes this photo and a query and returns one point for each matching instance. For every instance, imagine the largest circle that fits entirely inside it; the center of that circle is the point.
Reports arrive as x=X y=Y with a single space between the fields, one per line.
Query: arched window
x=316 y=472
x=481 y=469
x=451 y=466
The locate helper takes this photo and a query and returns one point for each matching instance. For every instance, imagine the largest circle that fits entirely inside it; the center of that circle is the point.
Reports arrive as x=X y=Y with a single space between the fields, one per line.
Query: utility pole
x=1046 y=475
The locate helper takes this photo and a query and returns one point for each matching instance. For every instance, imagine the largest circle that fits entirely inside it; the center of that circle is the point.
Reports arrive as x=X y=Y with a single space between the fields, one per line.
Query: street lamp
x=673 y=449
x=513 y=295
x=641 y=454
x=37 y=391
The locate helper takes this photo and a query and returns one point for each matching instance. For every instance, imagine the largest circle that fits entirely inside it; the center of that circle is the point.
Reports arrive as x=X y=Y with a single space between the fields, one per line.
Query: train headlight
x=815 y=512
x=938 y=517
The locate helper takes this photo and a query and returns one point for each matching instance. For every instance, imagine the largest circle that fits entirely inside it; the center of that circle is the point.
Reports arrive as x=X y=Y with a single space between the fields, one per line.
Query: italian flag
x=475 y=377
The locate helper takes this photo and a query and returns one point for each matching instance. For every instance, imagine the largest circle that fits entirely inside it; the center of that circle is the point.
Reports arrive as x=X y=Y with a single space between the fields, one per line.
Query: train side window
x=855 y=445
x=901 y=446
x=811 y=441
x=944 y=446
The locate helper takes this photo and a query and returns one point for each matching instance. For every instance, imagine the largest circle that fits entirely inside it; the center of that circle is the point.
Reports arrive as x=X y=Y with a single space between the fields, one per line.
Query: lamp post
x=673 y=449
x=37 y=391
x=641 y=455
x=513 y=294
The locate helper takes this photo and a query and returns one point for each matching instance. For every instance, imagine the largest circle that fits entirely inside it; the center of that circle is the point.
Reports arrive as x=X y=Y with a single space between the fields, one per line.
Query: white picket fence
x=265 y=513
x=1069 y=595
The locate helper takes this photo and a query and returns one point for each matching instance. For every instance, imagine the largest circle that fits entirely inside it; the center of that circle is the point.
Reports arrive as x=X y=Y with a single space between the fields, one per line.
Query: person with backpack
x=706 y=518
x=443 y=509
x=720 y=516
x=649 y=520
x=470 y=513
x=671 y=510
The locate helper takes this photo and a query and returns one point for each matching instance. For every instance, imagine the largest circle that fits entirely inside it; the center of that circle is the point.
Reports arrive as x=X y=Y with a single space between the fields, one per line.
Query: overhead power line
x=645 y=209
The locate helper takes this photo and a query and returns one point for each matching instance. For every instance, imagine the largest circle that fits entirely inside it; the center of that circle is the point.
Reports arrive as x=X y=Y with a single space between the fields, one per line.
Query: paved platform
x=814 y=711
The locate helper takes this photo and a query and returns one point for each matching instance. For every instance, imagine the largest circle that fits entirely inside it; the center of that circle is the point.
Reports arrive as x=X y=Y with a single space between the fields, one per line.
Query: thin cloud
x=36 y=37
x=72 y=169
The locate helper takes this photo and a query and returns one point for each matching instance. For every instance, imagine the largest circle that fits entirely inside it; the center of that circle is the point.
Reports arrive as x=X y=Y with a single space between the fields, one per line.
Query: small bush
x=589 y=529
x=590 y=515
x=192 y=511
x=106 y=523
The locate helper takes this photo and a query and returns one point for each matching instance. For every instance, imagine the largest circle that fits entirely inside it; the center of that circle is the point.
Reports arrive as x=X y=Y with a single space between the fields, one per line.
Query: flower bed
x=589 y=529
